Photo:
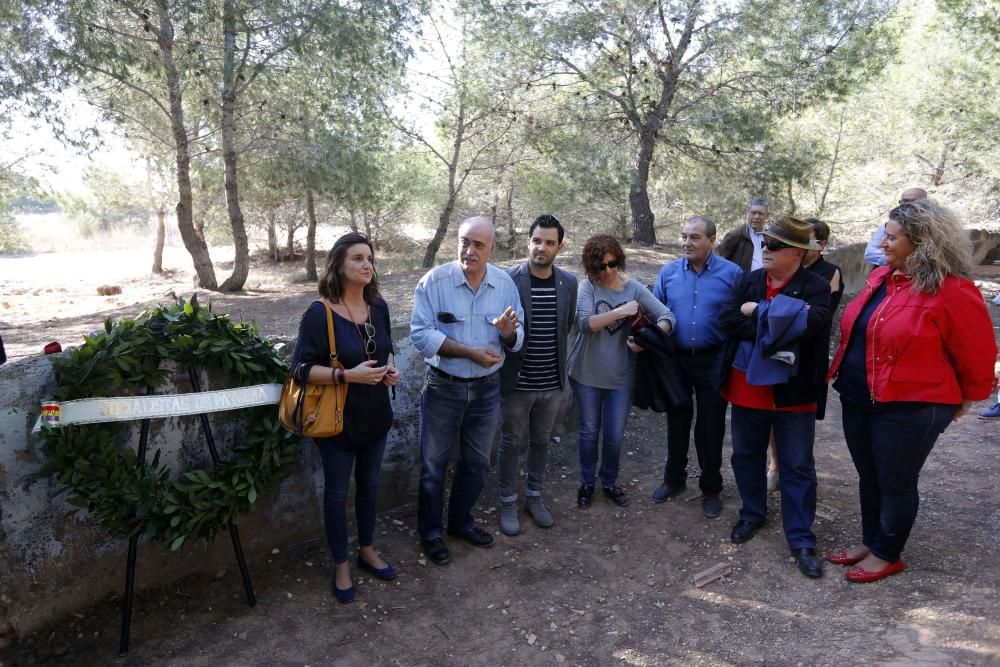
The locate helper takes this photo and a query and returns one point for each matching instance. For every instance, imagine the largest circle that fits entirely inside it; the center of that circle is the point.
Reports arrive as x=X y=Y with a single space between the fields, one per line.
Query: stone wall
x=52 y=563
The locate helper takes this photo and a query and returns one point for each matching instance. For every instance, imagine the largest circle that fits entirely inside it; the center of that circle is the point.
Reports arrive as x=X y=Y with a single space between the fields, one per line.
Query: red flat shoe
x=860 y=575
x=840 y=557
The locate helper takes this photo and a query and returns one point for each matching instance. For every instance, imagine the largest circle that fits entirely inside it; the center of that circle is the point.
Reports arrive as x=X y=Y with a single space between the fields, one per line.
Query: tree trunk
x=272 y=235
x=241 y=258
x=354 y=220
x=161 y=234
x=195 y=245
x=311 y=236
x=290 y=241
x=638 y=196
x=511 y=232
x=435 y=244
x=791 y=199
x=833 y=167
x=938 y=176
x=367 y=217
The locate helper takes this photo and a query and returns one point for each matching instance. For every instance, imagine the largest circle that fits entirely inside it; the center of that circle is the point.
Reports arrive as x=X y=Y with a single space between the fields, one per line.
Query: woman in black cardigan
x=349 y=286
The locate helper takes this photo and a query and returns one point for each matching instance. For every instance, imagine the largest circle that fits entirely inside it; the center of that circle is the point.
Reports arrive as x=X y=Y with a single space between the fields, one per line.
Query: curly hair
x=942 y=244
x=596 y=248
x=330 y=284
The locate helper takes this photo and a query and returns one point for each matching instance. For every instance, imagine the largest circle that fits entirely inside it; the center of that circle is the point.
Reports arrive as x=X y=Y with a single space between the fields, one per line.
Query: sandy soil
x=604 y=586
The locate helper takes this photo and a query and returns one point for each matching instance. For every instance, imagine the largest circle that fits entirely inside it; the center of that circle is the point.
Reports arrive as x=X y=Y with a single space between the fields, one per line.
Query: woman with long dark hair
x=349 y=286
x=916 y=348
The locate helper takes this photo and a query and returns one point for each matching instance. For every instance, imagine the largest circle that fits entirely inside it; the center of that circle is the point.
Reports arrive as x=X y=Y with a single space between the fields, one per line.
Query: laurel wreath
x=102 y=475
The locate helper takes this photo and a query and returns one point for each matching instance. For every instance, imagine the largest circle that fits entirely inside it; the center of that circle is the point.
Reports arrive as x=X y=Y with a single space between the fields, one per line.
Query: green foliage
x=110 y=202
x=105 y=480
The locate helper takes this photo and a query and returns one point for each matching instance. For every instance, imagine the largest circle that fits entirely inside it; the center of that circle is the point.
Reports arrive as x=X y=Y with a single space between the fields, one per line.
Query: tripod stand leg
x=126 y=630
x=234 y=533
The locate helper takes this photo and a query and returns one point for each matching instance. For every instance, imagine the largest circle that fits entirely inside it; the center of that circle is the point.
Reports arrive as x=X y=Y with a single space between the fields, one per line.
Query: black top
x=367 y=410
x=827 y=270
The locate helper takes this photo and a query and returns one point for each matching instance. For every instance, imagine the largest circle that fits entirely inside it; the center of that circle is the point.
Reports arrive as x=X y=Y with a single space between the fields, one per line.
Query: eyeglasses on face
x=613 y=264
x=370 y=338
x=773 y=245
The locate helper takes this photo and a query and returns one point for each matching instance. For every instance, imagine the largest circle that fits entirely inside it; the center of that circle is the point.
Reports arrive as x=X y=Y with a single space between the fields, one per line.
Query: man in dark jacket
x=533 y=379
x=741 y=246
x=789 y=408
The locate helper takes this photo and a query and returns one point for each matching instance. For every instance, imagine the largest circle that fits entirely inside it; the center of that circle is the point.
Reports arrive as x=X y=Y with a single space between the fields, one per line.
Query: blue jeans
x=337 y=465
x=889 y=449
x=601 y=411
x=453 y=413
x=794 y=433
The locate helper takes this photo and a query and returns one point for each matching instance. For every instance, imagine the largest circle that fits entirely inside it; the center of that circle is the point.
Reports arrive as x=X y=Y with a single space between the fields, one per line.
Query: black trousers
x=695 y=370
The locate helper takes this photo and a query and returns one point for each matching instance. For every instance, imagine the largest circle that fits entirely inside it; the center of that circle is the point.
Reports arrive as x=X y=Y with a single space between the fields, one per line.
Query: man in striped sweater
x=533 y=379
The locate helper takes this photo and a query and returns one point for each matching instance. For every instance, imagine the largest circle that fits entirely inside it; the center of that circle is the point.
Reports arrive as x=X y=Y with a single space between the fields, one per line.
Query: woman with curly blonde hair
x=916 y=349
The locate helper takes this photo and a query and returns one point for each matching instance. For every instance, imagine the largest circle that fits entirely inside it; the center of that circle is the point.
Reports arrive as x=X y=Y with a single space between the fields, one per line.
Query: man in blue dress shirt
x=693 y=287
x=465 y=314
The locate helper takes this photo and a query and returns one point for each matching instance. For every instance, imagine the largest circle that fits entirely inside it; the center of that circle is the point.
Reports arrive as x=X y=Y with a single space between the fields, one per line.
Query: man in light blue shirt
x=873 y=251
x=693 y=287
x=465 y=314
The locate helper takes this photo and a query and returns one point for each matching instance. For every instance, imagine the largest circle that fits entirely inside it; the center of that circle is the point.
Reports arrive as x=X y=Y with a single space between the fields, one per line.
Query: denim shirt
x=446 y=306
x=695 y=299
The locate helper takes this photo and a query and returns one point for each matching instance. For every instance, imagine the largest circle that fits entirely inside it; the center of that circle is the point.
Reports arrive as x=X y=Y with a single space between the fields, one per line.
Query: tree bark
x=833 y=167
x=311 y=236
x=638 y=196
x=449 y=207
x=272 y=235
x=241 y=258
x=195 y=245
x=161 y=234
x=511 y=232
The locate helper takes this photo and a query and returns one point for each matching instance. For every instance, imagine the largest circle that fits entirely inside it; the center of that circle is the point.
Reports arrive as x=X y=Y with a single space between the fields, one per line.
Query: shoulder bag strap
x=329 y=332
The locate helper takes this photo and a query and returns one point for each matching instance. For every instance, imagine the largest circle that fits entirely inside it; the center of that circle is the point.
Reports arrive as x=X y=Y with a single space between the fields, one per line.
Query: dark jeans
x=602 y=412
x=794 y=433
x=528 y=418
x=453 y=413
x=889 y=449
x=695 y=371
x=337 y=465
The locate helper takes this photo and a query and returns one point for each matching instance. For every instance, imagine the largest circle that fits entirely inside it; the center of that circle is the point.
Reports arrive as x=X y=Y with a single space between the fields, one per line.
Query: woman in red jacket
x=916 y=349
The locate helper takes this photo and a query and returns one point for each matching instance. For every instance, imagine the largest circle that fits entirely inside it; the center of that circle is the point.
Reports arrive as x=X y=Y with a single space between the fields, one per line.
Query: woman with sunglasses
x=916 y=348
x=602 y=362
x=349 y=286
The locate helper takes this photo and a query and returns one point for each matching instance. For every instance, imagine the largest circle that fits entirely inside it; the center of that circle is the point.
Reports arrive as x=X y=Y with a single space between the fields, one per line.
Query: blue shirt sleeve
x=423 y=325
x=874 y=254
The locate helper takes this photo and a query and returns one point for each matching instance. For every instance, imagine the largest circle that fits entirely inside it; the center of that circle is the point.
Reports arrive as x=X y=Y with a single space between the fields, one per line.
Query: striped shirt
x=540 y=370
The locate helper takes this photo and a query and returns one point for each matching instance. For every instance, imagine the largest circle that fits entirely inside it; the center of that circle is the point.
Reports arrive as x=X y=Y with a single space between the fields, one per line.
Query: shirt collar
x=458 y=276
x=709 y=262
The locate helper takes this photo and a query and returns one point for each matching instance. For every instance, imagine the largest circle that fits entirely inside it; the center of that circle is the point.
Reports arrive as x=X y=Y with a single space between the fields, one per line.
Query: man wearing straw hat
x=777 y=318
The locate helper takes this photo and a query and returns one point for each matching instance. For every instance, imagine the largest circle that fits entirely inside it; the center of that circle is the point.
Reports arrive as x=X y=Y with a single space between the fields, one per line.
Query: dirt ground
x=604 y=586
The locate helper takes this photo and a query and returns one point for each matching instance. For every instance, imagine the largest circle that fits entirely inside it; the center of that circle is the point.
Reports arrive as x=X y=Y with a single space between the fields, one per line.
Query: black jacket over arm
x=809 y=383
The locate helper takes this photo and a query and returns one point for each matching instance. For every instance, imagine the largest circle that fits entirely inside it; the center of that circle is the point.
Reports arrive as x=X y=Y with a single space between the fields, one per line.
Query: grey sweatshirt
x=601 y=358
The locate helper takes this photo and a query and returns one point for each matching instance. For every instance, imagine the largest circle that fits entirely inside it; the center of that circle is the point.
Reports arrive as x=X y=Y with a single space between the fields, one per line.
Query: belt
x=454 y=378
x=702 y=352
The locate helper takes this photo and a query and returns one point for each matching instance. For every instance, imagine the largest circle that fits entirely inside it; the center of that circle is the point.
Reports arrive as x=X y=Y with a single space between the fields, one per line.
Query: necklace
x=368 y=343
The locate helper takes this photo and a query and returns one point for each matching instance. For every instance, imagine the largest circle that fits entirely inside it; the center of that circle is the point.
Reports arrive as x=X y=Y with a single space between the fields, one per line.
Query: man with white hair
x=465 y=315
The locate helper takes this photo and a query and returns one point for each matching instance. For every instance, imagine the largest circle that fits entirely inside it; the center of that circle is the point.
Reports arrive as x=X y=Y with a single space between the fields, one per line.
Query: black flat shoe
x=744 y=531
x=584 y=495
x=666 y=490
x=711 y=506
x=809 y=563
x=616 y=494
x=387 y=573
x=436 y=551
x=477 y=537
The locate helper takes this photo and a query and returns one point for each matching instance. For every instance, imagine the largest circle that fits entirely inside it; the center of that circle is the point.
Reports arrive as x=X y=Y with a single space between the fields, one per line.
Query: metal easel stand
x=234 y=534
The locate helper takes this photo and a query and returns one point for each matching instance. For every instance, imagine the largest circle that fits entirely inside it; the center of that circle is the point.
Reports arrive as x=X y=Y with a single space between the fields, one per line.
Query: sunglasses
x=370 y=338
x=774 y=246
x=613 y=264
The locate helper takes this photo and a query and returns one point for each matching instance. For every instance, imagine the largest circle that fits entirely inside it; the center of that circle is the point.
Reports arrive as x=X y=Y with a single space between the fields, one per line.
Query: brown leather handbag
x=314 y=410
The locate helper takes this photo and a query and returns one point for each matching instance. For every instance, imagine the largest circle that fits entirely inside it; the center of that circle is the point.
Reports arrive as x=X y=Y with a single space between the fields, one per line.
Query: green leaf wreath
x=102 y=474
